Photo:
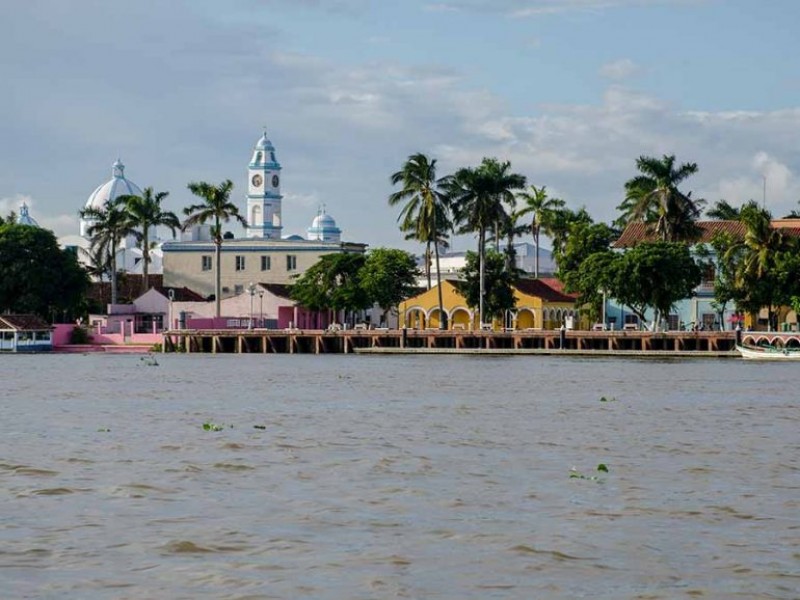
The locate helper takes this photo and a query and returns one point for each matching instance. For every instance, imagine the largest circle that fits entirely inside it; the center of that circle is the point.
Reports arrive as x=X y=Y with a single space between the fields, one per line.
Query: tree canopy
x=36 y=276
x=388 y=277
x=499 y=284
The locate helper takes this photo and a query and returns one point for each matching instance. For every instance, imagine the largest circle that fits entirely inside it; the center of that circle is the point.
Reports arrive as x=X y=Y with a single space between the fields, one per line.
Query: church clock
x=257 y=180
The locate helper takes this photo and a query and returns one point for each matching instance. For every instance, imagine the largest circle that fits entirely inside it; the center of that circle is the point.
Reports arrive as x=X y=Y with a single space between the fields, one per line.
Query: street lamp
x=261 y=307
x=251 y=288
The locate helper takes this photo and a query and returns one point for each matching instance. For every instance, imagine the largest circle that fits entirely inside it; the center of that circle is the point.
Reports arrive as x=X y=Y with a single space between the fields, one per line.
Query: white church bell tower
x=264 y=192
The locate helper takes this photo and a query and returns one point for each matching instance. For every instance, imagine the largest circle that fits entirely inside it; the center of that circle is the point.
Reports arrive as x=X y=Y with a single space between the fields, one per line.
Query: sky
x=571 y=92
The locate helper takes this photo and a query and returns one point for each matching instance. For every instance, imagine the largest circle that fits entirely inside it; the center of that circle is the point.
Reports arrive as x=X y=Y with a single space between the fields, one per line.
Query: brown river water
x=357 y=477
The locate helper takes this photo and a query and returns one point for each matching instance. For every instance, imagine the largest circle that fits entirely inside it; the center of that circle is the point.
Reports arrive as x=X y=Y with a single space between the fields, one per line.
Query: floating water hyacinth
x=212 y=427
x=575 y=474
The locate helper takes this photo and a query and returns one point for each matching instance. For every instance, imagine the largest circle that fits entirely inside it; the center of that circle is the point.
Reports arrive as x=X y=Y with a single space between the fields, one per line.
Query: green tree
x=333 y=283
x=558 y=224
x=585 y=263
x=655 y=275
x=654 y=198
x=217 y=208
x=144 y=213
x=109 y=226
x=426 y=215
x=388 y=277
x=540 y=207
x=36 y=276
x=723 y=211
x=499 y=284
x=479 y=196
x=759 y=280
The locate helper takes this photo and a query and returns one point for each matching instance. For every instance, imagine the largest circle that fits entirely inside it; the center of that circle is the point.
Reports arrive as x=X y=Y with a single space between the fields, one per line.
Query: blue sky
x=570 y=91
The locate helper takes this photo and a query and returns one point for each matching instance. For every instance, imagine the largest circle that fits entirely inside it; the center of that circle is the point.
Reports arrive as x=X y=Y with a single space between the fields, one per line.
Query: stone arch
x=526 y=318
x=255 y=216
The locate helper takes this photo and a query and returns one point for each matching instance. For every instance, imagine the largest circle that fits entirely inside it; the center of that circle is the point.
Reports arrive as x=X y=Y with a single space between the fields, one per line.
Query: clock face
x=275 y=181
x=257 y=180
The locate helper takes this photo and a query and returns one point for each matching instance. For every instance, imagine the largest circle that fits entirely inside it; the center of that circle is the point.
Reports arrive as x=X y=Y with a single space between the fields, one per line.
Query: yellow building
x=540 y=304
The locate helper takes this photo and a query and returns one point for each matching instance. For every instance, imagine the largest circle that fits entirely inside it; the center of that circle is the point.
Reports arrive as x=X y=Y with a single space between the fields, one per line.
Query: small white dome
x=324 y=228
x=25 y=218
x=264 y=144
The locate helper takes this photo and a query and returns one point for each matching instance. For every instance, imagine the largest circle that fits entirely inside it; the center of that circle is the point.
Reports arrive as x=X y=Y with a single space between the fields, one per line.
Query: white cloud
x=619 y=69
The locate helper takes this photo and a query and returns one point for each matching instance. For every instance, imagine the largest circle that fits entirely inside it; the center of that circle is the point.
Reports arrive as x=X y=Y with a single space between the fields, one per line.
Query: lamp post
x=261 y=308
x=251 y=288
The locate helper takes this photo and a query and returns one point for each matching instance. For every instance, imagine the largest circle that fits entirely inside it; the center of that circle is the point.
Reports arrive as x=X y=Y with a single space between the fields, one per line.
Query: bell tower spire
x=264 y=191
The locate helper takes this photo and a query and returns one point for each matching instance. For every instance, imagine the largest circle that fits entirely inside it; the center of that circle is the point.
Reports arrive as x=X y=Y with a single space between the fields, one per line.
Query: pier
x=393 y=341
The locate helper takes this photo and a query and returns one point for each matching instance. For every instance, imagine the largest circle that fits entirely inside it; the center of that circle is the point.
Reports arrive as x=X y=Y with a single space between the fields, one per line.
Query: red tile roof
x=636 y=233
x=549 y=289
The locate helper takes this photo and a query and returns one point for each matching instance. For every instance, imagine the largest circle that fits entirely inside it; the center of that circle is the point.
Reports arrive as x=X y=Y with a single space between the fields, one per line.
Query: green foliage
x=79 y=335
x=333 y=282
x=499 y=284
x=36 y=276
x=656 y=275
x=653 y=197
x=540 y=208
x=143 y=213
x=723 y=211
x=212 y=427
x=388 y=277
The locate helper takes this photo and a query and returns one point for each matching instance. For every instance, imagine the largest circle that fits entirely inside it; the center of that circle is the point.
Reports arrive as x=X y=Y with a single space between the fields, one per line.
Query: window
x=266 y=263
x=206 y=263
x=240 y=263
x=238 y=289
x=291 y=262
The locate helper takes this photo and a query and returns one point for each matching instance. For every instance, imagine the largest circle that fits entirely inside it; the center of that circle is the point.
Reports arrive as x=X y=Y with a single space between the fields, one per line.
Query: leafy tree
x=759 y=280
x=584 y=264
x=109 y=226
x=653 y=197
x=478 y=196
x=557 y=225
x=499 y=284
x=388 y=277
x=723 y=211
x=217 y=208
x=36 y=276
x=655 y=274
x=332 y=283
x=426 y=214
x=145 y=212
x=540 y=207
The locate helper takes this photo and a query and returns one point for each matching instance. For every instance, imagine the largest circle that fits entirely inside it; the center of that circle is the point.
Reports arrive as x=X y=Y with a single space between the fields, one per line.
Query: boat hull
x=751 y=353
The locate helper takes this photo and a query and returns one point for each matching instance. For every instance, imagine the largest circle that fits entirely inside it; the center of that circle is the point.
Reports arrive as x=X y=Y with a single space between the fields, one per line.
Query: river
x=371 y=477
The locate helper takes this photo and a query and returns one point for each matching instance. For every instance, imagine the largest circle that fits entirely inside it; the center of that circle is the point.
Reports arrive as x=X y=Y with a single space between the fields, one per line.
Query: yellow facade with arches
x=540 y=304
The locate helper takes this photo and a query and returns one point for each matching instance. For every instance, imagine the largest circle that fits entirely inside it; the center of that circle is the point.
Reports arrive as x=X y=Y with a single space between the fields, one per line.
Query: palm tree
x=757 y=274
x=540 y=207
x=218 y=208
x=109 y=225
x=724 y=211
x=426 y=215
x=653 y=197
x=144 y=213
x=478 y=195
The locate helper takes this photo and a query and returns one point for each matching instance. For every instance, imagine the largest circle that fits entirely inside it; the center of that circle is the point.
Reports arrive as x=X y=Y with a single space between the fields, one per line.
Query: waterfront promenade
x=296 y=341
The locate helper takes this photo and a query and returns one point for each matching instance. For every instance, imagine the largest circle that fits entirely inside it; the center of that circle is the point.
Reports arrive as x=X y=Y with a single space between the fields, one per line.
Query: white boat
x=768 y=353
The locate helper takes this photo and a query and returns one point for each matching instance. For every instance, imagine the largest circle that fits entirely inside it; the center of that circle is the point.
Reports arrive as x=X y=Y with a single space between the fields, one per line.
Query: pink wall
x=62 y=333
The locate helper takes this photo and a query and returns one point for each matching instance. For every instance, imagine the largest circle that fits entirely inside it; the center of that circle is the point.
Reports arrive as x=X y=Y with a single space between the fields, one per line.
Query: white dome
x=25 y=218
x=324 y=228
x=114 y=188
x=264 y=144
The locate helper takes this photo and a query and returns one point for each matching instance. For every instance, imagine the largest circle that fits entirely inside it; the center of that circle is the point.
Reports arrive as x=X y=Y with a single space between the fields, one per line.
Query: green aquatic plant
x=604 y=399
x=212 y=427
x=104 y=430
x=575 y=474
x=259 y=426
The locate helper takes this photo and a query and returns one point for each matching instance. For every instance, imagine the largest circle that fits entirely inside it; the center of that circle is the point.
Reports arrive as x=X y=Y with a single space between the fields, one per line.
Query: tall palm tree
x=426 y=215
x=540 y=207
x=653 y=197
x=478 y=196
x=145 y=212
x=217 y=208
x=109 y=225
